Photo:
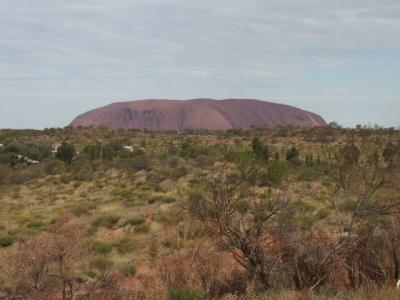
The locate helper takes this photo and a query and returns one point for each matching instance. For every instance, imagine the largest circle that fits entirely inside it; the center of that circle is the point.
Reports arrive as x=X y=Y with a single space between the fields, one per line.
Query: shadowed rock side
x=197 y=114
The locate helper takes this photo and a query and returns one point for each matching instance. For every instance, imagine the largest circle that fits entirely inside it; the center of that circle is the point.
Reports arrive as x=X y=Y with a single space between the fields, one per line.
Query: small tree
x=277 y=171
x=292 y=154
x=66 y=152
x=309 y=160
x=260 y=150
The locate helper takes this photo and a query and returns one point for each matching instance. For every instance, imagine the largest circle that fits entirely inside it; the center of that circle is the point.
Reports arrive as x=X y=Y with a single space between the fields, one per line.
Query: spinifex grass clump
x=109 y=221
x=125 y=245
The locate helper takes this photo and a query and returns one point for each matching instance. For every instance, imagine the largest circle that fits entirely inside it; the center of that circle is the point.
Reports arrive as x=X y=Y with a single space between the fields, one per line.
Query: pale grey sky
x=338 y=58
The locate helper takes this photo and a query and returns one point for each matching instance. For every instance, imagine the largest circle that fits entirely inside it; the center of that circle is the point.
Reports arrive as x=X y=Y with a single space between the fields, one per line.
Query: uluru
x=206 y=114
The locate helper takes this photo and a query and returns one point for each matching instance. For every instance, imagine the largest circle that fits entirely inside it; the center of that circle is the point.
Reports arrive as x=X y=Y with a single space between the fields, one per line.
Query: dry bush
x=198 y=268
x=360 y=172
x=371 y=263
x=301 y=254
x=109 y=287
x=115 y=285
x=176 y=269
x=43 y=265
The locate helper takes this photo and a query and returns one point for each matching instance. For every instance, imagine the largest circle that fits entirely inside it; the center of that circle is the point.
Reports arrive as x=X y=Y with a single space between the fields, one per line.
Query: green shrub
x=76 y=185
x=309 y=160
x=131 y=198
x=322 y=213
x=202 y=161
x=101 y=263
x=307 y=221
x=6 y=240
x=83 y=208
x=277 y=172
x=242 y=206
x=151 y=200
x=241 y=158
x=195 y=201
x=173 y=161
x=21 y=232
x=178 y=172
x=140 y=163
x=65 y=152
x=184 y=294
x=196 y=194
x=142 y=228
x=260 y=150
x=52 y=167
x=3 y=173
x=169 y=217
x=35 y=225
x=156 y=177
x=16 y=194
x=162 y=199
x=154 y=247
x=174 y=173
x=82 y=172
x=102 y=247
x=91 y=273
x=292 y=154
x=108 y=221
x=65 y=179
x=136 y=220
x=308 y=175
x=126 y=245
x=128 y=268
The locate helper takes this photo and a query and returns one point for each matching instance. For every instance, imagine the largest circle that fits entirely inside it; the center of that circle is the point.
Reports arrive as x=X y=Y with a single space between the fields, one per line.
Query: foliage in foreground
x=280 y=213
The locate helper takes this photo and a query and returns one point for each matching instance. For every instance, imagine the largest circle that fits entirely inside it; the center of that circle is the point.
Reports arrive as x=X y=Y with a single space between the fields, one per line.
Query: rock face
x=197 y=114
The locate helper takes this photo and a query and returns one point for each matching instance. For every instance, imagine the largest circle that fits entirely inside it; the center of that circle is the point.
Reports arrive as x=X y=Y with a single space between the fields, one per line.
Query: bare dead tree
x=244 y=221
x=196 y=267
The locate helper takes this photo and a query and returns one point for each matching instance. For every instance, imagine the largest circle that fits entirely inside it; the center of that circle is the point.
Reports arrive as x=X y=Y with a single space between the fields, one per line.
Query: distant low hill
x=197 y=114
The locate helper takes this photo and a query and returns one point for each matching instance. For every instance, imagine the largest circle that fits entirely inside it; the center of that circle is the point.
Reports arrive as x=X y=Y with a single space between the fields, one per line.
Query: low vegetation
x=273 y=213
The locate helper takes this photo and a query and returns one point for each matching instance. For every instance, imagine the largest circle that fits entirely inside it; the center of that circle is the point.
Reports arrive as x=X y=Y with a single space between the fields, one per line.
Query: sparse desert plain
x=268 y=213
